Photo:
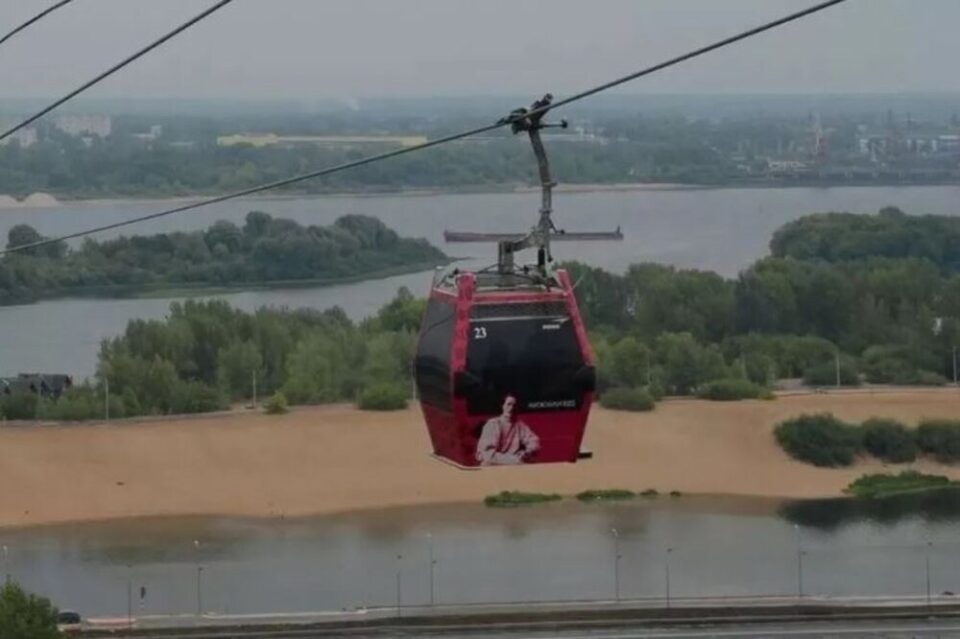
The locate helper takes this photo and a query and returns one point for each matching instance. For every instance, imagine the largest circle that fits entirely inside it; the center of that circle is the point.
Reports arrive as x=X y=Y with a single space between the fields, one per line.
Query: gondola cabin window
x=528 y=350
x=433 y=355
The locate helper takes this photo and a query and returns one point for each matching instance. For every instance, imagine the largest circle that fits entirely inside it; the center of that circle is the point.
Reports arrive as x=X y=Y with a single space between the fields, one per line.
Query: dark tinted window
x=433 y=354
x=524 y=309
x=535 y=358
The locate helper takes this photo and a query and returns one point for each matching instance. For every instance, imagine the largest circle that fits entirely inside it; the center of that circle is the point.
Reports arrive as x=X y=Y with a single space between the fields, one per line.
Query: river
x=687 y=546
x=723 y=230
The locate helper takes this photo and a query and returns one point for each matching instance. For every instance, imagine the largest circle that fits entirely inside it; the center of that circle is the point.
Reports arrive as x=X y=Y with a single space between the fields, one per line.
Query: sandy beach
x=334 y=458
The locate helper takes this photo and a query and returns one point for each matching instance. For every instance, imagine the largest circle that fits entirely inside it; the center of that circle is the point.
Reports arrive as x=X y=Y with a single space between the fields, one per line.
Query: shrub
x=609 y=494
x=276 y=405
x=729 y=389
x=26 y=616
x=886 y=364
x=940 y=438
x=196 y=397
x=926 y=378
x=20 y=406
x=889 y=440
x=825 y=374
x=77 y=405
x=382 y=397
x=656 y=390
x=632 y=399
x=883 y=484
x=821 y=439
x=649 y=492
x=513 y=498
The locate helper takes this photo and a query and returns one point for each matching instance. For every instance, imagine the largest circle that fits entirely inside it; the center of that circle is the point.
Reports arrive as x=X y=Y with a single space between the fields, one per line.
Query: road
x=926 y=629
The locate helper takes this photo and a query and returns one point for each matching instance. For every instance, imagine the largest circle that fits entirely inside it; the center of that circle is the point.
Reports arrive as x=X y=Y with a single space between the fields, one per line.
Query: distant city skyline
x=344 y=49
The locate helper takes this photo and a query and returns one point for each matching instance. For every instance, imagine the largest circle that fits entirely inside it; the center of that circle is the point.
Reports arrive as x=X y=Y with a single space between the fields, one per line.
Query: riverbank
x=323 y=460
x=506 y=188
x=203 y=289
x=503 y=188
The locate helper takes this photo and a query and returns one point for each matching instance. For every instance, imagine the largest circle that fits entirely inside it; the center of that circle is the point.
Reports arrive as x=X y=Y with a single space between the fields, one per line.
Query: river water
x=710 y=546
x=723 y=230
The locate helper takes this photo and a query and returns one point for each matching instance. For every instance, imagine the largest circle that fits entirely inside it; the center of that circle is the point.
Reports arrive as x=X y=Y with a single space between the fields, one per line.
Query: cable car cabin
x=503 y=367
x=504 y=374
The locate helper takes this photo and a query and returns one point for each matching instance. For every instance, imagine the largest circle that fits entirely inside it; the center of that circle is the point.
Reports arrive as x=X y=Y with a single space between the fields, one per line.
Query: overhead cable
x=99 y=78
x=443 y=140
x=35 y=18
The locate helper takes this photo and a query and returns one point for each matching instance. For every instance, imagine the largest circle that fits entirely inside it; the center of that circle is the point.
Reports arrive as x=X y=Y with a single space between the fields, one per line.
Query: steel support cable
x=35 y=18
x=131 y=58
x=443 y=140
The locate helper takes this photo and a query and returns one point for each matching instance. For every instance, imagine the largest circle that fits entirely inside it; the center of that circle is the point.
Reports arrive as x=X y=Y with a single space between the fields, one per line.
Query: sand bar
x=334 y=458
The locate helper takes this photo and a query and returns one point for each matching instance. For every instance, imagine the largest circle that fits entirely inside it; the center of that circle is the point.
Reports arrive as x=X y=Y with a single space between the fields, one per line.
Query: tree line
x=875 y=296
x=264 y=250
x=206 y=355
x=886 y=319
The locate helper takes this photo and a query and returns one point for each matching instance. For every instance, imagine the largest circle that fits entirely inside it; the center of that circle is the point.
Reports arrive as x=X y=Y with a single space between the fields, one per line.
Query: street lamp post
x=616 y=563
x=667 y=574
x=800 y=554
x=196 y=544
x=836 y=355
x=954 y=365
x=433 y=563
x=399 y=584
x=199 y=590
x=927 y=562
x=129 y=596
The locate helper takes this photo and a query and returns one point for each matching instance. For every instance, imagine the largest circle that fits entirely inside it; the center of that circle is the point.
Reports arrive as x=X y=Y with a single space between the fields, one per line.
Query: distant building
x=336 y=141
x=878 y=145
x=156 y=130
x=785 y=166
x=25 y=137
x=578 y=134
x=45 y=384
x=99 y=125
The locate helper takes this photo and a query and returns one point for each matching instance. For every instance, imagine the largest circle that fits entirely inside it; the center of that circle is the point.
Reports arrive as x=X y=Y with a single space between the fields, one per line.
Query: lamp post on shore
x=399 y=584
x=800 y=554
x=196 y=544
x=616 y=563
x=667 y=574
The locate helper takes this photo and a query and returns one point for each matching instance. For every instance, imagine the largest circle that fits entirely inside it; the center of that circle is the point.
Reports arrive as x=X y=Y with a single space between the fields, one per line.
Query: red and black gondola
x=504 y=370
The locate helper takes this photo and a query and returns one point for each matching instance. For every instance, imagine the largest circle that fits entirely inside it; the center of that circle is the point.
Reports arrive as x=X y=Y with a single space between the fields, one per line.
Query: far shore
x=188 y=290
x=334 y=459
x=496 y=189
x=368 y=193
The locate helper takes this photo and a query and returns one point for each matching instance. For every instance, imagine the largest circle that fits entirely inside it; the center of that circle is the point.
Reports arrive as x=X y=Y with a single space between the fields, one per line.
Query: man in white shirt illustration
x=505 y=440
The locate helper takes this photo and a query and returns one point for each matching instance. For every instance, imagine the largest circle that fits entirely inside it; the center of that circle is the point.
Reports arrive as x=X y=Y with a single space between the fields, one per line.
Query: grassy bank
x=887 y=485
x=202 y=289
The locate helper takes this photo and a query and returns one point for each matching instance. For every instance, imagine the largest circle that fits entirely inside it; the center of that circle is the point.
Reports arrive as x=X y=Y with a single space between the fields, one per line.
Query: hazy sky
x=361 y=48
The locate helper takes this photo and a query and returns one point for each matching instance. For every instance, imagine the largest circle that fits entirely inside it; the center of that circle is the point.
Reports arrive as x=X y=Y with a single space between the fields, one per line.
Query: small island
x=264 y=252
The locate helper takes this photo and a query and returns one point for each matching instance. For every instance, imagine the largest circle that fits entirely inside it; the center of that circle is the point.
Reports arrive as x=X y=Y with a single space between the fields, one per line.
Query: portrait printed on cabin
x=506 y=440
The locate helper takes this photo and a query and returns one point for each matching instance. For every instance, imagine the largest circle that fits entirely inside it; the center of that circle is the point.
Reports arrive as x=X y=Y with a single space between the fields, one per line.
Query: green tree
x=237 y=365
x=629 y=363
x=323 y=368
x=26 y=616
x=402 y=313
x=686 y=363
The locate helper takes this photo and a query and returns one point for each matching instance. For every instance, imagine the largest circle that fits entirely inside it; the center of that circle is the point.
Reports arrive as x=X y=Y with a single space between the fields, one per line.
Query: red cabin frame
x=557 y=426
